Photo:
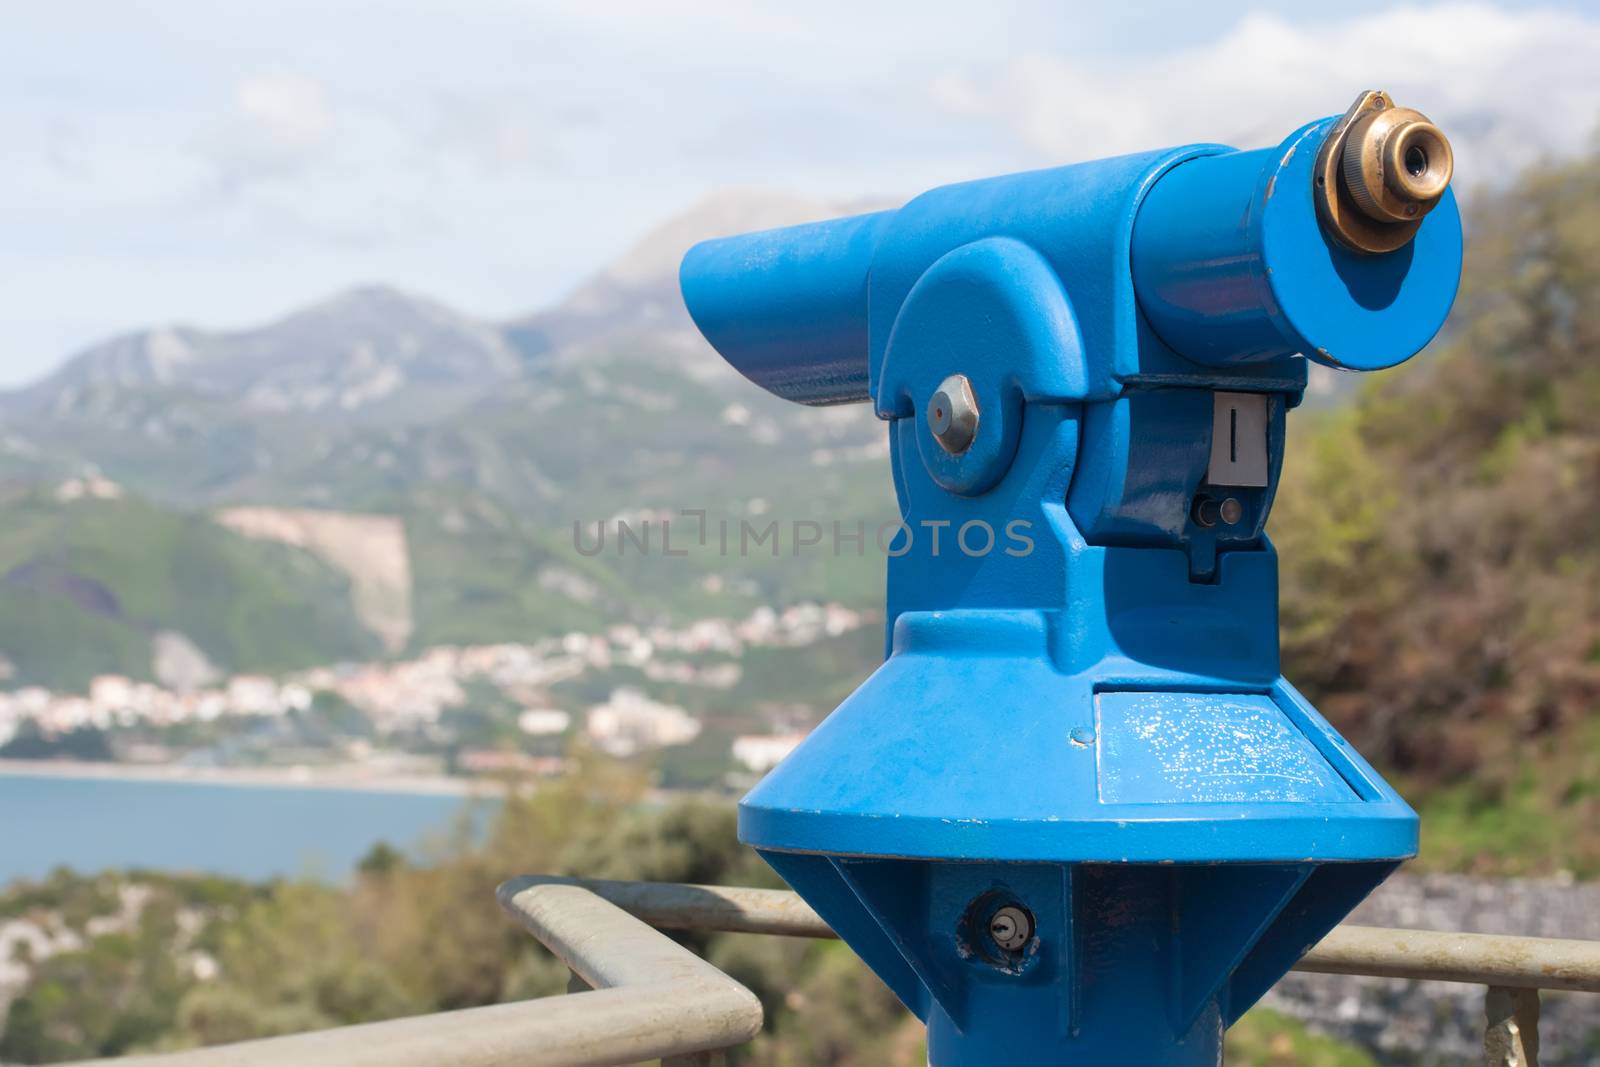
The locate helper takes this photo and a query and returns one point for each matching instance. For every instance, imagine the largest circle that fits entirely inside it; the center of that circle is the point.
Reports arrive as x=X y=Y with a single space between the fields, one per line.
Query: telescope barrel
x=788 y=307
x=1249 y=256
x=1317 y=246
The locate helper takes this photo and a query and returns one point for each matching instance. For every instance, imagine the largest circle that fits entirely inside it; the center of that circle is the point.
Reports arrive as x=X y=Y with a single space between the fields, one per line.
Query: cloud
x=292 y=160
x=287 y=112
x=354 y=169
x=279 y=122
x=497 y=132
x=1508 y=86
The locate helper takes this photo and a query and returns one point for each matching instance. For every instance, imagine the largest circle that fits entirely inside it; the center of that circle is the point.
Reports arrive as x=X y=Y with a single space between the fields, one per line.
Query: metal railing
x=652 y=998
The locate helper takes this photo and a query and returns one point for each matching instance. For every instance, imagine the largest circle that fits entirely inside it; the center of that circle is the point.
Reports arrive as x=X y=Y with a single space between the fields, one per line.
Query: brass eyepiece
x=1380 y=170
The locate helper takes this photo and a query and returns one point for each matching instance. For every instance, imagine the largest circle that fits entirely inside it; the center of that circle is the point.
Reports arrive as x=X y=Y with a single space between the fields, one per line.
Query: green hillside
x=620 y=435
x=490 y=492
x=1440 y=539
x=86 y=584
x=476 y=574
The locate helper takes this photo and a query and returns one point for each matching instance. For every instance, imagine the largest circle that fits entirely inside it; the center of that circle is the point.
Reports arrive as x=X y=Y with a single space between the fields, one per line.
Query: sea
x=250 y=831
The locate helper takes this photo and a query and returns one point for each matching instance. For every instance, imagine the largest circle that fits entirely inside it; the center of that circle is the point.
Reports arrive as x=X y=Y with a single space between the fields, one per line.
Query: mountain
x=377 y=391
x=377 y=348
x=639 y=290
x=379 y=419
x=365 y=348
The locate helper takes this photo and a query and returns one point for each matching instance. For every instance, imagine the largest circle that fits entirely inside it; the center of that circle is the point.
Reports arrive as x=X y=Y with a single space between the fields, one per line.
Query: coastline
x=341 y=777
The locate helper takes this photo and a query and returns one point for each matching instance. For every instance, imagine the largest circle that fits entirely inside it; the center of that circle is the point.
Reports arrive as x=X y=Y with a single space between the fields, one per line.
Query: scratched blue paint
x=1095 y=729
x=1208 y=748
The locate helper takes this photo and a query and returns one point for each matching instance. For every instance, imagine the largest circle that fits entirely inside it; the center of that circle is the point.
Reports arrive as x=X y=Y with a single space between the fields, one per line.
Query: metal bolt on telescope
x=1078 y=816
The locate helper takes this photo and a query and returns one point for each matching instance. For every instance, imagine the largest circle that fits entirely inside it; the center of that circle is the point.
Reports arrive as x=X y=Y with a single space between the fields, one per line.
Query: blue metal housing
x=1081 y=714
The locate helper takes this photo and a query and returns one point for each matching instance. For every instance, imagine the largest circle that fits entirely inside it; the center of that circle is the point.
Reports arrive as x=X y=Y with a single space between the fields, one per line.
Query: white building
x=631 y=722
x=762 y=752
x=543 y=722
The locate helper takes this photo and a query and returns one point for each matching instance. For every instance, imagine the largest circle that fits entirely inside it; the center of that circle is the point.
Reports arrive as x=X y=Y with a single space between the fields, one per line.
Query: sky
x=219 y=163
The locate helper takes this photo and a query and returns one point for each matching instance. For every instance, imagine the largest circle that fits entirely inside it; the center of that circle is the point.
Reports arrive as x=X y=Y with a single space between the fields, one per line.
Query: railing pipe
x=1423 y=955
x=652 y=998
x=1426 y=955
x=677 y=906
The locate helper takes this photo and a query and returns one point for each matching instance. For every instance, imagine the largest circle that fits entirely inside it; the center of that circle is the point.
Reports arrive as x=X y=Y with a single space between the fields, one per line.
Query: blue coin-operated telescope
x=1078 y=816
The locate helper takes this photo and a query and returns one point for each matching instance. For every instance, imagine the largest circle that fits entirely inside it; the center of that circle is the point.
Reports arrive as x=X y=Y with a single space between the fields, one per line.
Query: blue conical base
x=1176 y=844
x=969 y=743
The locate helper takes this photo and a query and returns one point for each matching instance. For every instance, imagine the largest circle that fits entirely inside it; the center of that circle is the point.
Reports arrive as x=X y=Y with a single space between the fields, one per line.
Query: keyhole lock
x=1010 y=927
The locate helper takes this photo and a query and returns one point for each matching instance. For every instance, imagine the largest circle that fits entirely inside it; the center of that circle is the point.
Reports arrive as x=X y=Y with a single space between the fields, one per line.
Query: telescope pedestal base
x=1056 y=965
x=1102 y=984
x=1137 y=1036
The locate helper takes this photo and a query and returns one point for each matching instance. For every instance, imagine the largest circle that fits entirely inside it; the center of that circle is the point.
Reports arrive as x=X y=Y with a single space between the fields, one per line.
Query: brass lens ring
x=1380 y=170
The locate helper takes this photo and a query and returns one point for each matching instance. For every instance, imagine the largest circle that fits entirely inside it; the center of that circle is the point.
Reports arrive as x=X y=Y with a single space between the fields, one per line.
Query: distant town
x=400 y=701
